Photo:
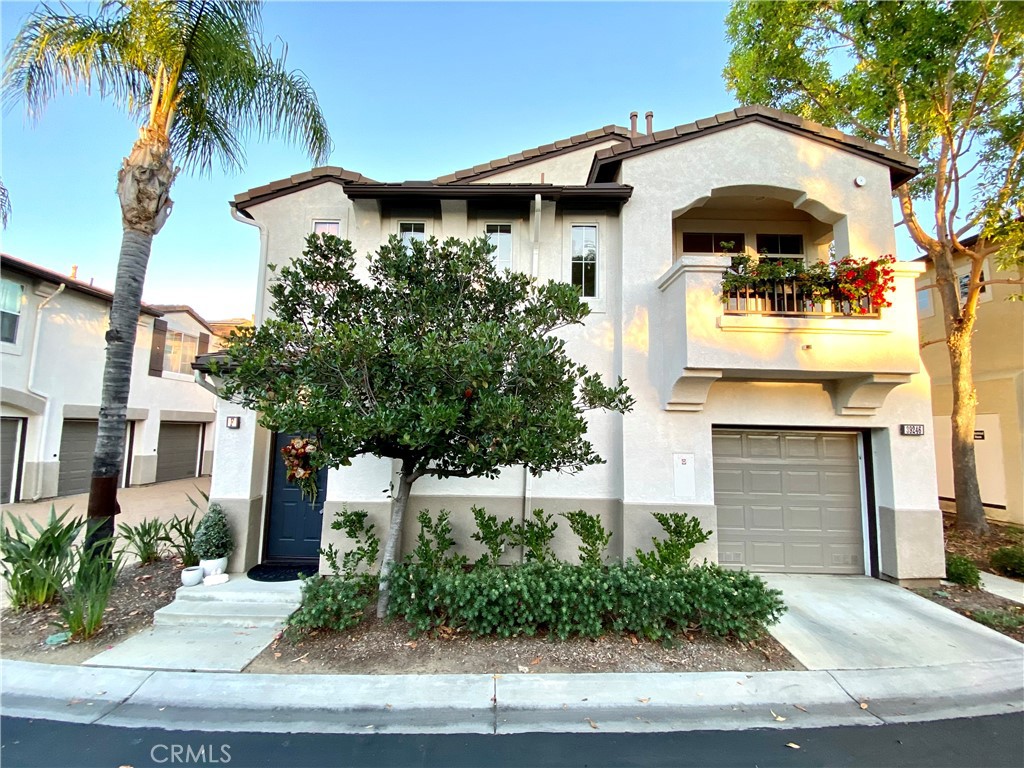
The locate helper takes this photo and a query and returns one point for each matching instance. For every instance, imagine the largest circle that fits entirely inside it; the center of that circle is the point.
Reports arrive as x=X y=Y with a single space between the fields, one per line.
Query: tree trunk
x=959 y=327
x=143 y=187
x=398 y=504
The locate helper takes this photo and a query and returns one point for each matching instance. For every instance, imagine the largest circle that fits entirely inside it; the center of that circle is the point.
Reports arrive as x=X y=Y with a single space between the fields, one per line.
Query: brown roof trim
x=427 y=190
x=542 y=152
x=321 y=175
x=902 y=167
x=18 y=266
x=168 y=308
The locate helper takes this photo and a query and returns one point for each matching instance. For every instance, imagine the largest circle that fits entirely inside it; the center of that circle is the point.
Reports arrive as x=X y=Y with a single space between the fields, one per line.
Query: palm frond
x=5 y=205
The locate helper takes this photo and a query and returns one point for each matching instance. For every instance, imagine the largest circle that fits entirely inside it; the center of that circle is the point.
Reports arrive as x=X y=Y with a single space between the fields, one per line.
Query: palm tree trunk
x=143 y=187
x=398 y=504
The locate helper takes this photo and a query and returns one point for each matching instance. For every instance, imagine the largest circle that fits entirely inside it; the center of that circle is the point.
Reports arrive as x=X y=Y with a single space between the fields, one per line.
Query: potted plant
x=213 y=542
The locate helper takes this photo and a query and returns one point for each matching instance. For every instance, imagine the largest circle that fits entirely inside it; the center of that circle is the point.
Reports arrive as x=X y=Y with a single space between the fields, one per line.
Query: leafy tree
x=940 y=81
x=437 y=361
x=199 y=77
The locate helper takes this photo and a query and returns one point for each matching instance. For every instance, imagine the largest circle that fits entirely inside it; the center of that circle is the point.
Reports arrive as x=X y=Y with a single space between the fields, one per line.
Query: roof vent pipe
x=632 y=124
x=650 y=123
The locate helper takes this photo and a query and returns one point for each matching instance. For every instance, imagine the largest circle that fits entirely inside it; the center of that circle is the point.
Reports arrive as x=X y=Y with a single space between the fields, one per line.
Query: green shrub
x=35 y=565
x=999 y=619
x=593 y=536
x=495 y=536
x=213 y=535
x=567 y=600
x=962 y=570
x=366 y=545
x=534 y=535
x=1009 y=560
x=684 y=533
x=181 y=537
x=145 y=540
x=84 y=598
x=434 y=543
x=334 y=602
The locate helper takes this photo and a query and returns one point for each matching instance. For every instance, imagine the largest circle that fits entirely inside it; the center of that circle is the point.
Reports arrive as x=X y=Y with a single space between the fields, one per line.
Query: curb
x=497 y=704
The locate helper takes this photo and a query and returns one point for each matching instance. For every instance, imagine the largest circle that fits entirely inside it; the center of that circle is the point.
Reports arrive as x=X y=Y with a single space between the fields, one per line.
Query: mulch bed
x=386 y=647
x=967 y=601
x=139 y=591
x=976 y=547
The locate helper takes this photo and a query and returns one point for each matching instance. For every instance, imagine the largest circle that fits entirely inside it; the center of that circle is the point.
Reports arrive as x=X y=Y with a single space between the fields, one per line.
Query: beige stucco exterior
x=658 y=322
x=998 y=347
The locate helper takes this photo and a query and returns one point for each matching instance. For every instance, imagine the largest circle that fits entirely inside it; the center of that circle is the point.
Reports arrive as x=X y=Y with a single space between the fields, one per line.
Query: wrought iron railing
x=791 y=298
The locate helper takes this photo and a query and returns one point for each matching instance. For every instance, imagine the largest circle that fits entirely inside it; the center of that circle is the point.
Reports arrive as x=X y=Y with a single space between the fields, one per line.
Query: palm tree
x=198 y=76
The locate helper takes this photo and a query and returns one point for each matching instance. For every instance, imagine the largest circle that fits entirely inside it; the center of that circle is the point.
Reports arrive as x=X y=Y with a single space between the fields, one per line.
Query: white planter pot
x=192 y=576
x=213 y=567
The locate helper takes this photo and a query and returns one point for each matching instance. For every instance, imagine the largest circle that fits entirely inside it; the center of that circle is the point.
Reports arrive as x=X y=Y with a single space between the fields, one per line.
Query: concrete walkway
x=856 y=622
x=1003 y=587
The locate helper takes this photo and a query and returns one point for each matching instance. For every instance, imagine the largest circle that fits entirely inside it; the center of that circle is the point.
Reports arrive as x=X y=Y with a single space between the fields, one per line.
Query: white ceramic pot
x=192 y=576
x=213 y=567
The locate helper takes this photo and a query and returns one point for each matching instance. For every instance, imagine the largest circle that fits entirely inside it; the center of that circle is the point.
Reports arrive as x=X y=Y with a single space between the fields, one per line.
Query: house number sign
x=234 y=422
x=684 y=476
x=912 y=429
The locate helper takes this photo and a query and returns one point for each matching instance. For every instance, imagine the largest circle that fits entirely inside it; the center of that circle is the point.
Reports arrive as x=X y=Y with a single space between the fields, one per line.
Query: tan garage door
x=77 y=445
x=789 y=501
x=177 y=452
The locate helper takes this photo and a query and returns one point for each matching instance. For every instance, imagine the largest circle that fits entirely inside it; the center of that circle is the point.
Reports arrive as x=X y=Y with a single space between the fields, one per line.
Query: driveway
x=856 y=622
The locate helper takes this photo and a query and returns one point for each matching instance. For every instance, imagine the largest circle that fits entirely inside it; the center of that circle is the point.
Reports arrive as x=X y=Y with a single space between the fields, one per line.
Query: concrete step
x=241 y=590
x=223 y=613
x=188 y=648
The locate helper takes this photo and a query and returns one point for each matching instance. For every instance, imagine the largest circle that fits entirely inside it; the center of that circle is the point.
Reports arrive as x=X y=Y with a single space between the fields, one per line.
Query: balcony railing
x=790 y=298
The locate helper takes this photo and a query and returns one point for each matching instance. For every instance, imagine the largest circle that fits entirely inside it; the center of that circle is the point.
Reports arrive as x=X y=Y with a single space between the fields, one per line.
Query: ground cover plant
x=145 y=540
x=35 y=563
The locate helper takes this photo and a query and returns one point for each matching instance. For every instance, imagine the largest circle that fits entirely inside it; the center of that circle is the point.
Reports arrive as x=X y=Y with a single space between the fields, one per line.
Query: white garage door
x=789 y=501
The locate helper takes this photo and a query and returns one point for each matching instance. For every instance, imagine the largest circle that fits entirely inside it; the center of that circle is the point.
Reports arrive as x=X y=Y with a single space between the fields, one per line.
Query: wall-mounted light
x=234 y=422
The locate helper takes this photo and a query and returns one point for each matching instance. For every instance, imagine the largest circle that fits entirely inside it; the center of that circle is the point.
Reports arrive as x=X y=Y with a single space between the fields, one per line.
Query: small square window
x=584 y=259
x=410 y=231
x=500 y=236
x=10 y=310
x=327 y=228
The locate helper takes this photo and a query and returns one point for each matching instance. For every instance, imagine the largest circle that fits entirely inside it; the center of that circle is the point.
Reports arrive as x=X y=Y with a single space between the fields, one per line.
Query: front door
x=295 y=523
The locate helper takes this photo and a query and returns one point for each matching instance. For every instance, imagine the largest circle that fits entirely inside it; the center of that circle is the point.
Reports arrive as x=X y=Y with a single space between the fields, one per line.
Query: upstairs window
x=409 y=231
x=713 y=242
x=500 y=236
x=10 y=310
x=180 y=350
x=327 y=228
x=584 y=259
x=780 y=245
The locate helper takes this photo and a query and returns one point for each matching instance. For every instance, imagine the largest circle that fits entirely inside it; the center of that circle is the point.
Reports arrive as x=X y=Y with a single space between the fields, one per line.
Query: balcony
x=782 y=331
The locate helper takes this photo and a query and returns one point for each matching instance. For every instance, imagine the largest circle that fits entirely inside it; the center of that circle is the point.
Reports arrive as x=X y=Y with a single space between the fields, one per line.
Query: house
x=998 y=355
x=800 y=439
x=52 y=353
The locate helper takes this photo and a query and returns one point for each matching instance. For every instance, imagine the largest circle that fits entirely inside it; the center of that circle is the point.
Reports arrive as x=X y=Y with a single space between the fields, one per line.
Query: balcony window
x=780 y=245
x=713 y=242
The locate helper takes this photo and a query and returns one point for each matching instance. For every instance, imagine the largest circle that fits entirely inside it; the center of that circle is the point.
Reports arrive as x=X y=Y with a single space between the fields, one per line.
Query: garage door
x=789 y=501
x=77 y=445
x=10 y=437
x=177 y=452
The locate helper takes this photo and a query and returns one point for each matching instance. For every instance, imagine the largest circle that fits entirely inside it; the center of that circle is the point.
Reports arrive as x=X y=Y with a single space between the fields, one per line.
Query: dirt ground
x=139 y=591
x=978 y=548
x=967 y=601
x=377 y=647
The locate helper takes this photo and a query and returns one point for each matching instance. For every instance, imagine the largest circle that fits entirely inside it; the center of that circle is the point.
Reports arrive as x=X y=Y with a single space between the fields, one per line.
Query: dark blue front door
x=293 y=531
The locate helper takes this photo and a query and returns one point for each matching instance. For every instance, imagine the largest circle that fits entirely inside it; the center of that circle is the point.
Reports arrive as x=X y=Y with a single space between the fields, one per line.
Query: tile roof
x=531 y=155
x=320 y=175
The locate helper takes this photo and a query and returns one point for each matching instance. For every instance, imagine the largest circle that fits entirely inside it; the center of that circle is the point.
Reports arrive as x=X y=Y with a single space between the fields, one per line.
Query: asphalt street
x=985 y=742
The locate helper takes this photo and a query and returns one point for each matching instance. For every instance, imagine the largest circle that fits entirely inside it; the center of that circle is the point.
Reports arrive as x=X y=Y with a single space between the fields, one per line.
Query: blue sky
x=409 y=90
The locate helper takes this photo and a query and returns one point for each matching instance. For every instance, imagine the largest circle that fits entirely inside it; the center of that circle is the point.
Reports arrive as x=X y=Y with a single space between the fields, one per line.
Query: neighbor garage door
x=177 y=452
x=10 y=437
x=77 y=445
x=789 y=501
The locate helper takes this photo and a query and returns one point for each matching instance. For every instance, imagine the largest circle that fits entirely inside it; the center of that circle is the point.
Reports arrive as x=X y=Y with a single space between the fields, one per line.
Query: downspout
x=534 y=270
x=41 y=450
x=264 y=250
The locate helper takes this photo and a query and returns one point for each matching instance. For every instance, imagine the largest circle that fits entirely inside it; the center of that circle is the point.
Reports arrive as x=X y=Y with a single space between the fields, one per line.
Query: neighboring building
x=53 y=351
x=780 y=431
x=998 y=354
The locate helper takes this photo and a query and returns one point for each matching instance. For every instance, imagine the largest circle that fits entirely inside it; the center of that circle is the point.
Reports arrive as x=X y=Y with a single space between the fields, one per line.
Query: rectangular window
x=409 y=231
x=10 y=310
x=964 y=282
x=500 y=236
x=780 y=245
x=180 y=352
x=327 y=228
x=584 y=259
x=713 y=242
x=924 y=303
